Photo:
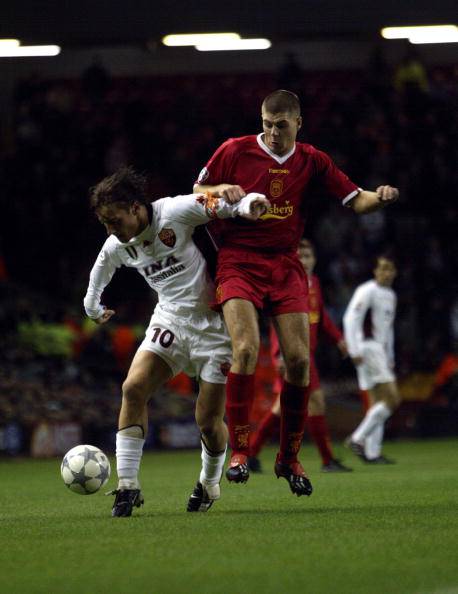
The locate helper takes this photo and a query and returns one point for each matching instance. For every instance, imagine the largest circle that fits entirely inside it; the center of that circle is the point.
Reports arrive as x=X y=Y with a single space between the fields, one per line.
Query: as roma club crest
x=225 y=368
x=276 y=188
x=168 y=237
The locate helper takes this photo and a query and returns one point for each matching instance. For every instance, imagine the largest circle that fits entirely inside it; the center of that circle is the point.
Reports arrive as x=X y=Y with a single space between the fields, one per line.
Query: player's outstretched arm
x=366 y=201
x=198 y=209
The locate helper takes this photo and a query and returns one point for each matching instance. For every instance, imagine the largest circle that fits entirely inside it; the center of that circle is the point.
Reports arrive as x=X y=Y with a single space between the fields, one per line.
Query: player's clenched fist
x=259 y=207
x=387 y=194
x=105 y=316
x=253 y=206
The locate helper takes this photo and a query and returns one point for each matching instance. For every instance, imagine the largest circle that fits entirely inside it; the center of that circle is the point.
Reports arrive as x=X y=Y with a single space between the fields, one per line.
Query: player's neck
x=383 y=285
x=282 y=153
x=143 y=220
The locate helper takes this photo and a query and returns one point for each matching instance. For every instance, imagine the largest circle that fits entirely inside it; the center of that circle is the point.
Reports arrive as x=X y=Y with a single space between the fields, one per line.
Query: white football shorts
x=197 y=344
x=375 y=368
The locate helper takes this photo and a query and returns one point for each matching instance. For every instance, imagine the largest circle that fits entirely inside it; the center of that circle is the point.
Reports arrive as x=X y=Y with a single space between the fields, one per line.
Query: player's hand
x=357 y=361
x=387 y=194
x=105 y=316
x=231 y=194
x=342 y=346
x=252 y=206
x=258 y=207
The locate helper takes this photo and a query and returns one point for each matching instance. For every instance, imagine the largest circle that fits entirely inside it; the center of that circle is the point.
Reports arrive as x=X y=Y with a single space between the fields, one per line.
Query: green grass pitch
x=378 y=530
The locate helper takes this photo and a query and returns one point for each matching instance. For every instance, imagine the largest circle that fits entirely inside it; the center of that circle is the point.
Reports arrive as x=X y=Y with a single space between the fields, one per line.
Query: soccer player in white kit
x=184 y=334
x=373 y=357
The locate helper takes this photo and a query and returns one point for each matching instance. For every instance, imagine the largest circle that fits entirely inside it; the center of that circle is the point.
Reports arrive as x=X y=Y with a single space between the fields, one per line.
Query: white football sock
x=129 y=449
x=376 y=415
x=373 y=443
x=212 y=465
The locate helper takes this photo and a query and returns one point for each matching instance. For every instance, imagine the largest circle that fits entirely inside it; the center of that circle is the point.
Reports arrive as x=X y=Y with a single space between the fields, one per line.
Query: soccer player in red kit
x=258 y=268
x=316 y=422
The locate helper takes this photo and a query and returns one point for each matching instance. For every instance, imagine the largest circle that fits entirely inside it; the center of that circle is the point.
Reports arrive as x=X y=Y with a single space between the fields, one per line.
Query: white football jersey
x=381 y=301
x=165 y=255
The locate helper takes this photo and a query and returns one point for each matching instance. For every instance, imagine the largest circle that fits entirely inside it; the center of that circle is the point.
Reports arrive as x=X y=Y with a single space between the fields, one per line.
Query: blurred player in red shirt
x=316 y=422
x=258 y=268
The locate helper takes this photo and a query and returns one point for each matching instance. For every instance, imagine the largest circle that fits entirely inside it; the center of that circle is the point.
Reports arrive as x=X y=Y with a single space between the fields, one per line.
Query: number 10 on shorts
x=165 y=337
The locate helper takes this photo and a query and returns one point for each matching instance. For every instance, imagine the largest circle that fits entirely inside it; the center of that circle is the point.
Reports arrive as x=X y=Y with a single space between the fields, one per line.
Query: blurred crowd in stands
x=383 y=125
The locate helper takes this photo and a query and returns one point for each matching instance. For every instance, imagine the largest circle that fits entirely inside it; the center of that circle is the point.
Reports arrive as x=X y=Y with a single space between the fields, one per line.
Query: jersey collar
x=266 y=149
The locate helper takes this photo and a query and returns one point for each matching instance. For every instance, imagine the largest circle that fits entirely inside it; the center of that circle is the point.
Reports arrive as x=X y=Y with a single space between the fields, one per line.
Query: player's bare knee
x=297 y=368
x=393 y=401
x=316 y=404
x=245 y=356
x=209 y=425
x=134 y=392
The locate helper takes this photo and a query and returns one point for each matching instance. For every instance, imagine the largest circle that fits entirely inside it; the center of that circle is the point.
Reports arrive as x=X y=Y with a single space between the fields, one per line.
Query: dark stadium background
x=116 y=96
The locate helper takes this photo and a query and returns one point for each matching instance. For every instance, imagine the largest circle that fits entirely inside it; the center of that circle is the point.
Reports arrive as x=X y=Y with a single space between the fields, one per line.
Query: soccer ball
x=85 y=469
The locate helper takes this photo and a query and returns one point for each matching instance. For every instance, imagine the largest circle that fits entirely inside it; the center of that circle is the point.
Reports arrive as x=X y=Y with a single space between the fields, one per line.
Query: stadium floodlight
x=234 y=45
x=184 y=39
x=9 y=43
x=25 y=51
x=449 y=36
x=423 y=34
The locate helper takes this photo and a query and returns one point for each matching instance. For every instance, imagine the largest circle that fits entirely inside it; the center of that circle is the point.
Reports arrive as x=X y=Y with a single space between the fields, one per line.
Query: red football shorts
x=274 y=283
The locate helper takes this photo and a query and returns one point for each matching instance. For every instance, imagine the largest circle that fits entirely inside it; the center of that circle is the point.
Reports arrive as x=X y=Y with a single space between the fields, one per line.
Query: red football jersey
x=286 y=181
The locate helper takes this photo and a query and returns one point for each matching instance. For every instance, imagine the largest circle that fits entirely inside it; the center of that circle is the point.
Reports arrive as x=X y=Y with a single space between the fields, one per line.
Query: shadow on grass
x=408 y=509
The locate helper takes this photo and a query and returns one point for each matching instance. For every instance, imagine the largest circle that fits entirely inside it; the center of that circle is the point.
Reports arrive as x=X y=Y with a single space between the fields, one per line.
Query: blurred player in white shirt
x=184 y=333
x=373 y=357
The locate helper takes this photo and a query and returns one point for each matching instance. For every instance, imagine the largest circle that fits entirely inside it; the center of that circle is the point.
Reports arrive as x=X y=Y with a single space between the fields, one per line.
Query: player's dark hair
x=124 y=187
x=385 y=256
x=282 y=101
x=306 y=244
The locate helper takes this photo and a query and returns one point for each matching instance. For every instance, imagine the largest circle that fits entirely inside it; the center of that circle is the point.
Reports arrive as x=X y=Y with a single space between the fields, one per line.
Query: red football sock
x=294 y=402
x=319 y=432
x=265 y=430
x=365 y=402
x=239 y=396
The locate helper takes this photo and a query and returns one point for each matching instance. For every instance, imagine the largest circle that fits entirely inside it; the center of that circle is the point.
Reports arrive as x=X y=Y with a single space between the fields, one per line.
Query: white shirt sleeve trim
x=350 y=196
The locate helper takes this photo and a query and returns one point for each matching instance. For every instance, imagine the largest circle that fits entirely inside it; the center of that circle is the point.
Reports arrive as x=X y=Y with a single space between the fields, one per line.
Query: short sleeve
x=334 y=181
x=220 y=166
